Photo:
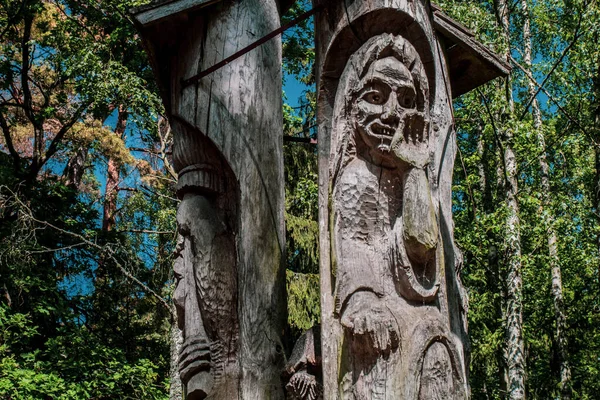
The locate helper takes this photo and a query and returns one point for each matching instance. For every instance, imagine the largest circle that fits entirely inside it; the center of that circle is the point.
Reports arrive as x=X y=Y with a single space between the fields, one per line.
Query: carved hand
x=367 y=314
x=411 y=141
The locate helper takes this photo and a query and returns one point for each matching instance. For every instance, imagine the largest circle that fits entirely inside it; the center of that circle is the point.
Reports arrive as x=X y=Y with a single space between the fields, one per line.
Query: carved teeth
x=383 y=130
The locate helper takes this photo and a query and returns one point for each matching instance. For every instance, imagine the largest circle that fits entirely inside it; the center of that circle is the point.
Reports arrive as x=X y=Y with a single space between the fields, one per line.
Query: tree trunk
x=75 y=168
x=176 y=339
x=548 y=218
x=112 y=177
x=514 y=314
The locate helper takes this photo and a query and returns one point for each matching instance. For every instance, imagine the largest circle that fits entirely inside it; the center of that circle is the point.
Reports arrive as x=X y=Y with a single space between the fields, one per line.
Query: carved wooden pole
x=227 y=126
x=393 y=306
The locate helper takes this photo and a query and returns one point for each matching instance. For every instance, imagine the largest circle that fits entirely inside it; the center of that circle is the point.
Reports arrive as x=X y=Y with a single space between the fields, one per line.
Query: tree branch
x=59 y=136
x=158 y=194
x=496 y=134
x=576 y=37
x=9 y=143
x=75 y=20
x=163 y=148
x=27 y=97
x=540 y=88
x=103 y=249
x=149 y=232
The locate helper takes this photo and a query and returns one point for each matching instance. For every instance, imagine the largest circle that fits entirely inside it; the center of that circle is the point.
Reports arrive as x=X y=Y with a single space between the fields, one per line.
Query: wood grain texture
x=159 y=10
x=228 y=153
x=393 y=306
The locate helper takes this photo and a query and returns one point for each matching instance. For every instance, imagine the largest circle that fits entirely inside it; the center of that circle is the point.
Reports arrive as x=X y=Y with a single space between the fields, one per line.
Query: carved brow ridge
x=401 y=79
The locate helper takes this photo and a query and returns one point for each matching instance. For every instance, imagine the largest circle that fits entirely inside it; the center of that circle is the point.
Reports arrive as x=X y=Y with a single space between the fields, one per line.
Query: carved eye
x=374 y=97
x=407 y=101
x=407 y=97
x=178 y=275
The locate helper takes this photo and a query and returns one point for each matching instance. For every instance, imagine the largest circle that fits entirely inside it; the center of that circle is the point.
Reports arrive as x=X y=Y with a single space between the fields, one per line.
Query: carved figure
x=385 y=225
x=205 y=266
x=393 y=307
x=302 y=373
x=385 y=229
x=205 y=296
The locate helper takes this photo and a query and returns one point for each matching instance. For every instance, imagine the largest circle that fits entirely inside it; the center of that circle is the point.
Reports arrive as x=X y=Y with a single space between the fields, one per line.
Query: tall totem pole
x=393 y=306
x=227 y=125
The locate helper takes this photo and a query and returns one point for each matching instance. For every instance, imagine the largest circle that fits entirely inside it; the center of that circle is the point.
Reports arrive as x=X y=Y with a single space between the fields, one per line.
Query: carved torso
x=367 y=216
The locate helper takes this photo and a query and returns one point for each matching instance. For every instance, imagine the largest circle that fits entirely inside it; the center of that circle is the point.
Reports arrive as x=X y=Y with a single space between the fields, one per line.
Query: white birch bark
x=548 y=218
x=176 y=339
x=515 y=353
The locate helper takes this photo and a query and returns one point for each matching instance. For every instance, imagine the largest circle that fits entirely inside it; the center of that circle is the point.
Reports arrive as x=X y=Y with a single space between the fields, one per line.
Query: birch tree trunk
x=548 y=218
x=514 y=308
x=176 y=339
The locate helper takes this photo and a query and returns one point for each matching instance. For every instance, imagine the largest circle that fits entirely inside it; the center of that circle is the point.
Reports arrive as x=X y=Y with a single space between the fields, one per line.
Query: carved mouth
x=382 y=131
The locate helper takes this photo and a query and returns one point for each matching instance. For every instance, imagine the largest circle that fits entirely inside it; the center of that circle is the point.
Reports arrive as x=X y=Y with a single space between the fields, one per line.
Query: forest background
x=87 y=210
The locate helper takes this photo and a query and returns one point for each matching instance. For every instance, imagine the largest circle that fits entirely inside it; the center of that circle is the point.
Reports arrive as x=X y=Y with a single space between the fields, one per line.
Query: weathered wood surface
x=303 y=370
x=158 y=10
x=470 y=64
x=393 y=306
x=228 y=154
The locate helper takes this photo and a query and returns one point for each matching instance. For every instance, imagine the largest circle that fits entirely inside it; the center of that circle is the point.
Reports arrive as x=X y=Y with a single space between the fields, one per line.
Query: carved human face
x=386 y=93
x=179 y=270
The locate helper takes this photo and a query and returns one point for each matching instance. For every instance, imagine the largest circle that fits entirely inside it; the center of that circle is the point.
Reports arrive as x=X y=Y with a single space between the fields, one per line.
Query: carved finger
x=360 y=325
x=347 y=322
x=398 y=136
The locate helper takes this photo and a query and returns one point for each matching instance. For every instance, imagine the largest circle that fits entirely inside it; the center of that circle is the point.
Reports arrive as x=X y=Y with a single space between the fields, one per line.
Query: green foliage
x=73 y=365
x=55 y=343
x=303 y=301
x=298 y=44
x=570 y=208
x=82 y=308
x=301 y=184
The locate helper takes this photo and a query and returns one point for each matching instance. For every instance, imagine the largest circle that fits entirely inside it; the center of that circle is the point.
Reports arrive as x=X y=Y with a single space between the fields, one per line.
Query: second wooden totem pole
x=393 y=306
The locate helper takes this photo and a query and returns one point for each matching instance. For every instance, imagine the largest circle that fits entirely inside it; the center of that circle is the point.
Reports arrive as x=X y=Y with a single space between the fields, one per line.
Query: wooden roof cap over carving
x=158 y=10
x=470 y=63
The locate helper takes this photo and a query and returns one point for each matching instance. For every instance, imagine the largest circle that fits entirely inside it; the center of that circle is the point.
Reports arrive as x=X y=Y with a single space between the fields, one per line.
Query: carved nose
x=391 y=113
